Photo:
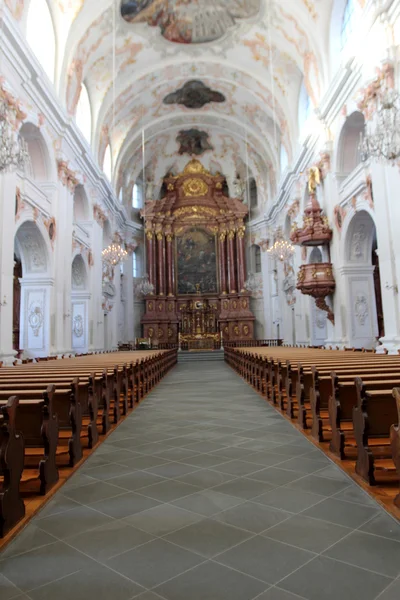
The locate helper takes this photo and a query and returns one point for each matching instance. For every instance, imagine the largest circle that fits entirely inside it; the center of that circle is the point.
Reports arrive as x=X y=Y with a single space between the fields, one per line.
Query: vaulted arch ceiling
x=259 y=54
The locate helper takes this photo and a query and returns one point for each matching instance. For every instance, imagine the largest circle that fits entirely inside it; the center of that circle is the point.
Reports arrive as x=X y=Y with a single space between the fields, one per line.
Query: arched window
x=284 y=158
x=348 y=21
x=305 y=106
x=83 y=115
x=135 y=264
x=137 y=195
x=253 y=193
x=107 y=163
x=40 y=35
x=257 y=261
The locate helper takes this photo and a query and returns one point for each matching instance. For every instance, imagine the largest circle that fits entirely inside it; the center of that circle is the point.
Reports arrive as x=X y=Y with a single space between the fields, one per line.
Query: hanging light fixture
x=381 y=140
x=114 y=254
x=282 y=249
x=13 y=148
x=144 y=287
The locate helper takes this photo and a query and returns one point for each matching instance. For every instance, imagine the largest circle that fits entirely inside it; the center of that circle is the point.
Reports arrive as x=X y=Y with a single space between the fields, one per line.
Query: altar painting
x=196 y=262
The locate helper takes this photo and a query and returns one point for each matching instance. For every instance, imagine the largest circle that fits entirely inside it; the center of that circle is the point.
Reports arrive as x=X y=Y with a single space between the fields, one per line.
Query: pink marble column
x=150 y=257
x=161 y=264
x=231 y=257
x=241 y=258
x=222 y=262
x=170 y=264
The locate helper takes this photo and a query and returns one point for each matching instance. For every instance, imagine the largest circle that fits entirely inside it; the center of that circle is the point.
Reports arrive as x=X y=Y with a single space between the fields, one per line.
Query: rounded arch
x=81 y=204
x=40 y=34
x=107 y=234
x=348 y=152
x=32 y=250
x=79 y=274
x=83 y=114
x=41 y=165
x=315 y=256
x=359 y=234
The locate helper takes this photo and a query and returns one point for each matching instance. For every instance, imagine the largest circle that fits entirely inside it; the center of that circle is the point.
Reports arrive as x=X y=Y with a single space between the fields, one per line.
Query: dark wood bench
x=395 y=440
x=12 y=508
x=318 y=413
x=65 y=406
x=373 y=416
x=38 y=424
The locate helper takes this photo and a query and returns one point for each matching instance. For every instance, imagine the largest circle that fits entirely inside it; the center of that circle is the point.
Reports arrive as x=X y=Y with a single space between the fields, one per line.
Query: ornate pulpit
x=196 y=262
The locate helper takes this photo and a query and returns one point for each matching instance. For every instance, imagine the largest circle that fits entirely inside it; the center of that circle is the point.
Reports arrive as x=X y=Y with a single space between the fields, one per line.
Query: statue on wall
x=239 y=187
x=314 y=179
x=194 y=94
x=193 y=141
x=150 y=189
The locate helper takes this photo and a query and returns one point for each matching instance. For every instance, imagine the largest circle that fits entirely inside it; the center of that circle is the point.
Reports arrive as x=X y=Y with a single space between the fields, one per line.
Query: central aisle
x=206 y=493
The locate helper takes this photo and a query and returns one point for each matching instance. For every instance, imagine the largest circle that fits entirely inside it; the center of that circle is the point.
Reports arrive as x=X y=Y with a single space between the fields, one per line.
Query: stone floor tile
x=370 y=552
x=252 y=517
x=347 y=514
x=98 y=582
x=265 y=559
x=153 y=563
x=327 y=579
x=208 y=502
x=211 y=581
x=208 y=537
x=163 y=519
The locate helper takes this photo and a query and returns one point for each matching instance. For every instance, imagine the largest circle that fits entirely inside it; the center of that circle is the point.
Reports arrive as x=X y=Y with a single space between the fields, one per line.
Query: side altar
x=195 y=250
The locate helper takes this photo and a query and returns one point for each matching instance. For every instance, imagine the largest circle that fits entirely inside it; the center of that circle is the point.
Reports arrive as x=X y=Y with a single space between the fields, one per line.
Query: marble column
x=161 y=263
x=222 y=262
x=170 y=268
x=231 y=259
x=241 y=258
x=150 y=257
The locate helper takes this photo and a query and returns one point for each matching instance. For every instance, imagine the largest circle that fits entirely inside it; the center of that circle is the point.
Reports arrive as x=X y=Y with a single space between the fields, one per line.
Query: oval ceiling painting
x=189 y=21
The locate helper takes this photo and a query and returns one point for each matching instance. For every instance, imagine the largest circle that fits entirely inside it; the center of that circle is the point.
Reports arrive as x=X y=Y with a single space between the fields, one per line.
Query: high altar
x=196 y=262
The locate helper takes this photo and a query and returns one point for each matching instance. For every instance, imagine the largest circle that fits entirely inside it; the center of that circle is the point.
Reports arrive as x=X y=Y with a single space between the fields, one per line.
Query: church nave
x=206 y=492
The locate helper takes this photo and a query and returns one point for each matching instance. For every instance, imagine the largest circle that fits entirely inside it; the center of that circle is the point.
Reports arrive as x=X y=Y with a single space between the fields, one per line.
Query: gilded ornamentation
x=151 y=306
x=195 y=211
x=195 y=166
x=246 y=330
x=170 y=187
x=244 y=304
x=226 y=305
x=170 y=332
x=151 y=332
x=170 y=307
x=236 y=330
x=314 y=179
x=159 y=236
x=160 y=333
x=160 y=306
x=149 y=234
x=99 y=215
x=66 y=175
x=195 y=187
x=169 y=237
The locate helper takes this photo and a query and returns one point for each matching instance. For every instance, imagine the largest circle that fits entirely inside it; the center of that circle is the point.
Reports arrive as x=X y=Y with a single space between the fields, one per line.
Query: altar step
x=186 y=356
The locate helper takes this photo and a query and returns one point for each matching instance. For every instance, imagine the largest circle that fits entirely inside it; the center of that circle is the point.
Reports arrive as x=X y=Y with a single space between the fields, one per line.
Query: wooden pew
x=68 y=409
x=12 y=508
x=395 y=439
x=38 y=425
x=342 y=391
x=373 y=416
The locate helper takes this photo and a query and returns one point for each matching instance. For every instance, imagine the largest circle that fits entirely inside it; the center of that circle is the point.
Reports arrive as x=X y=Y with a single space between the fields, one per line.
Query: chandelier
x=144 y=287
x=114 y=254
x=252 y=284
x=381 y=140
x=282 y=250
x=13 y=149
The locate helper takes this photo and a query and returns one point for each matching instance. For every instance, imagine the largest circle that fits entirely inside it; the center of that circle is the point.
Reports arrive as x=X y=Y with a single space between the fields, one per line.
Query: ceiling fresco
x=189 y=21
x=193 y=142
x=194 y=94
x=232 y=69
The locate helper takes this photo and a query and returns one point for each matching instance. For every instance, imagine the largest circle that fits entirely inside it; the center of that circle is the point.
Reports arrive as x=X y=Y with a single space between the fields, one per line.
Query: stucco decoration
x=194 y=94
x=361 y=309
x=35 y=317
x=193 y=141
x=189 y=21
